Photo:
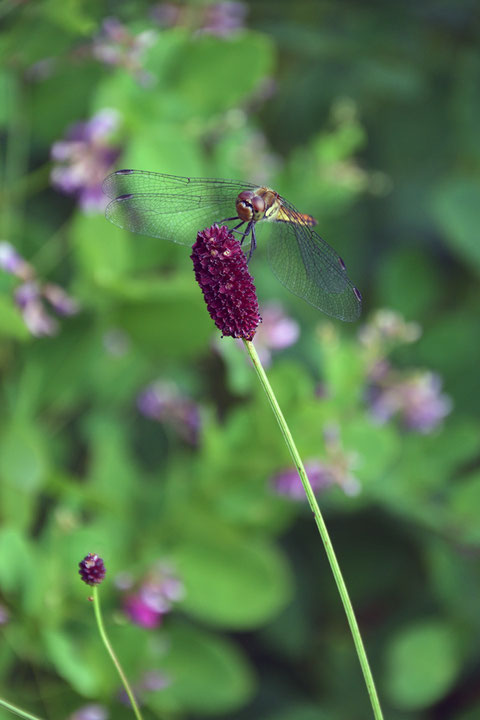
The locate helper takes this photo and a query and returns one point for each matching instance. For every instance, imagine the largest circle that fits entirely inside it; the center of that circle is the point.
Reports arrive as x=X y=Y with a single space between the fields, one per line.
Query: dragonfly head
x=250 y=206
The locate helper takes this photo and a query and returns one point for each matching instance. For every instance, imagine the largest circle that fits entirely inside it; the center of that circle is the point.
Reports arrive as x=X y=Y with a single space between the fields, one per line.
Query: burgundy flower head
x=221 y=270
x=92 y=570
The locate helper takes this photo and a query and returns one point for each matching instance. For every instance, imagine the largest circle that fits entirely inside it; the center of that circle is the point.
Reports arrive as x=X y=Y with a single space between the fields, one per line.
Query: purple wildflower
x=334 y=470
x=13 y=263
x=116 y=45
x=154 y=597
x=140 y=612
x=385 y=329
x=61 y=302
x=29 y=298
x=92 y=570
x=287 y=482
x=90 y=712
x=224 y=18
x=84 y=158
x=153 y=681
x=416 y=399
x=167 y=14
x=37 y=320
x=221 y=270
x=163 y=401
x=276 y=332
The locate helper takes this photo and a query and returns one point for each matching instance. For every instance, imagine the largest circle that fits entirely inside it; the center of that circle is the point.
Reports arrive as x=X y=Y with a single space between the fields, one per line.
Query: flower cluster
x=31 y=294
x=92 y=711
x=413 y=397
x=163 y=401
x=222 y=19
x=83 y=159
x=276 y=332
x=385 y=330
x=92 y=570
x=336 y=469
x=221 y=270
x=116 y=45
x=153 y=598
x=150 y=681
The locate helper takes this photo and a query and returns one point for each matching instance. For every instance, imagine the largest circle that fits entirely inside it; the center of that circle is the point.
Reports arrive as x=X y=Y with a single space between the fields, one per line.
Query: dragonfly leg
x=253 y=243
x=228 y=220
x=245 y=233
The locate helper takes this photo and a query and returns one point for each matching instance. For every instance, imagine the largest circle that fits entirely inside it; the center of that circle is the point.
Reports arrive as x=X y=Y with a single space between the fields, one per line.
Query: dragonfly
x=175 y=208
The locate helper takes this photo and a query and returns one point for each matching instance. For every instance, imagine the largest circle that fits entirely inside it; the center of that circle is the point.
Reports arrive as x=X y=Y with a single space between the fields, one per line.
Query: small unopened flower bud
x=221 y=270
x=92 y=570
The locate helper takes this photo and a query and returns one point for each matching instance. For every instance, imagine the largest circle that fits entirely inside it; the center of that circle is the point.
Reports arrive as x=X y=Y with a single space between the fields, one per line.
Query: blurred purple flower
x=13 y=263
x=116 y=45
x=386 y=329
x=29 y=298
x=224 y=18
x=166 y=14
x=37 y=320
x=140 y=613
x=124 y=580
x=154 y=597
x=287 y=482
x=153 y=681
x=90 y=712
x=61 y=302
x=84 y=158
x=276 y=332
x=162 y=401
x=416 y=399
x=336 y=469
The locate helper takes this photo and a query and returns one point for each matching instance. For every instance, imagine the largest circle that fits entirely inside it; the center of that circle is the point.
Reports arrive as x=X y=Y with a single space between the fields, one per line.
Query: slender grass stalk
x=322 y=528
x=17 y=711
x=111 y=652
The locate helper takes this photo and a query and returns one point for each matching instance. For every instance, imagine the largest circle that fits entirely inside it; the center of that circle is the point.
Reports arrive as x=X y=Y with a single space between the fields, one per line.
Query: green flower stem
x=342 y=588
x=111 y=652
x=17 y=711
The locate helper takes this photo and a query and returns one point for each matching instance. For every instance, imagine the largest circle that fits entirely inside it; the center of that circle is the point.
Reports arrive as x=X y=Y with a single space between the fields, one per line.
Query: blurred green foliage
x=366 y=116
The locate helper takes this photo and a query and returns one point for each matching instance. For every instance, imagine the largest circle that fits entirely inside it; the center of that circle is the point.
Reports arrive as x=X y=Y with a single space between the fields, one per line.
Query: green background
x=366 y=116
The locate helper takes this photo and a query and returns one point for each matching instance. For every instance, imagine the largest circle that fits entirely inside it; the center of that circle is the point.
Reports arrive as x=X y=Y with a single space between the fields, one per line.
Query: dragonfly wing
x=169 y=207
x=307 y=266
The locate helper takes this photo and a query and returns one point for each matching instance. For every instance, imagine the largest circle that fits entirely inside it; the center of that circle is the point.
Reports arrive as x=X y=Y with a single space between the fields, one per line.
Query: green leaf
x=456 y=209
x=403 y=268
x=11 y=321
x=422 y=663
x=208 y=674
x=17 y=559
x=207 y=75
x=232 y=581
x=463 y=506
x=103 y=260
x=23 y=460
x=72 y=662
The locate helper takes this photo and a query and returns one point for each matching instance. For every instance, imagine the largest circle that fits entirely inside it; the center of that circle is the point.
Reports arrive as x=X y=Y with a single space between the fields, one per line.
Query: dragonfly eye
x=258 y=205
x=244 y=205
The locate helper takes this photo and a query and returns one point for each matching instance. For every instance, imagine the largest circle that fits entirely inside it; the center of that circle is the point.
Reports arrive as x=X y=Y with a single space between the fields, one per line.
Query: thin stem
x=342 y=588
x=17 y=711
x=111 y=652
